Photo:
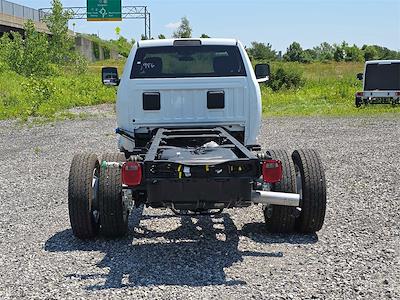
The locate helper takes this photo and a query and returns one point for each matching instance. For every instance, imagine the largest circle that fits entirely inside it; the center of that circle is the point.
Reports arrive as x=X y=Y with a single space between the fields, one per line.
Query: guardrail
x=19 y=11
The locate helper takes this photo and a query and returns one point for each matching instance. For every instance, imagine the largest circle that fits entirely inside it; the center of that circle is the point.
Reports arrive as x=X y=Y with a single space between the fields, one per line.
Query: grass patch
x=328 y=91
x=37 y=150
x=23 y=97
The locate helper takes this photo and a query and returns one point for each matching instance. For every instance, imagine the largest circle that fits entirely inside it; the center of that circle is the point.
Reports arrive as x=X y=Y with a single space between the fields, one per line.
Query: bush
x=80 y=65
x=28 y=55
x=38 y=91
x=286 y=78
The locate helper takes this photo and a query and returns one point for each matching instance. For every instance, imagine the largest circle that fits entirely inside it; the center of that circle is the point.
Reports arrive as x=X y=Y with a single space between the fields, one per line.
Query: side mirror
x=109 y=76
x=360 y=76
x=262 y=72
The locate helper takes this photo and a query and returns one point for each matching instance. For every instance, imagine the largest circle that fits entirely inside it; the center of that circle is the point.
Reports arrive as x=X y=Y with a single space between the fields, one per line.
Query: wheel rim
x=299 y=183
x=125 y=210
x=95 y=192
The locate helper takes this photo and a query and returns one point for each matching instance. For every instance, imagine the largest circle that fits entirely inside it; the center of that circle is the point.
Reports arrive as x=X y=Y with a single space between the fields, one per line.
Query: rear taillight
x=360 y=94
x=397 y=93
x=131 y=173
x=272 y=171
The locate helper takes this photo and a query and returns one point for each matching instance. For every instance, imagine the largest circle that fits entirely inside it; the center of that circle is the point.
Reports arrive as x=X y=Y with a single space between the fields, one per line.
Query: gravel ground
x=355 y=255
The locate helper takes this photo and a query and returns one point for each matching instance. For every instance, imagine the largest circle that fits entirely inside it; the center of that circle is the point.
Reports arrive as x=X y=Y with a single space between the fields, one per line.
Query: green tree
x=5 y=44
x=338 y=53
x=385 y=53
x=161 y=36
x=28 y=55
x=61 y=42
x=184 y=30
x=123 y=46
x=294 y=53
x=370 y=53
x=262 y=51
x=36 y=58
x=309 y=55
x=205 y=36
x=353 y=53
x=12 y=51
x=324 y=51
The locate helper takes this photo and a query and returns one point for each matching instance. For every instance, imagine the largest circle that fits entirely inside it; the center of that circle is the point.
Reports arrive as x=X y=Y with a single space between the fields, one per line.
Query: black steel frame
x=206 y=186
x=128 y=12
x=217 y=132
x=161 y=138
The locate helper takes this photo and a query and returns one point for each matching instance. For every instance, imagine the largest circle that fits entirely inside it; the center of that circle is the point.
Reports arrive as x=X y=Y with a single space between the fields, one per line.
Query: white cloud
x=173 y=25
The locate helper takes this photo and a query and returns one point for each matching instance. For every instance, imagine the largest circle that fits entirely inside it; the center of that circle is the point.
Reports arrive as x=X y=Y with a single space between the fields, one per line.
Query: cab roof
x=389 y=61
x=170 y=42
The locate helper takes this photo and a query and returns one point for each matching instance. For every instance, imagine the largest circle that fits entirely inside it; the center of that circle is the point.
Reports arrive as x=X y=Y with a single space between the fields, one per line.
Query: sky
x=278 y=22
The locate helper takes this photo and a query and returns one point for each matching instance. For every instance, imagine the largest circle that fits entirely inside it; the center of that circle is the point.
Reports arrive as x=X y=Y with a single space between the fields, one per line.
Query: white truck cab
x=188 y=83
x=381 y=83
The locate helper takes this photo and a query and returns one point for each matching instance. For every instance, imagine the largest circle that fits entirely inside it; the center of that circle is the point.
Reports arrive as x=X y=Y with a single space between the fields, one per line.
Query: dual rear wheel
x=95 y=197
x=303 y=174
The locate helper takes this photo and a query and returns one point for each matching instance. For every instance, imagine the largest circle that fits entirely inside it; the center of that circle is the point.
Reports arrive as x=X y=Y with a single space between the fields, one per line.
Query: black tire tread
x=313 y=203
x=282 y=219
x=110 y=199
x=80 y=195
x=358 y=102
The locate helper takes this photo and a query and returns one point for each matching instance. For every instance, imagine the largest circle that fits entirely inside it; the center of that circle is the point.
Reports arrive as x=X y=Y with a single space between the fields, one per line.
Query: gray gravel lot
x=355 y=255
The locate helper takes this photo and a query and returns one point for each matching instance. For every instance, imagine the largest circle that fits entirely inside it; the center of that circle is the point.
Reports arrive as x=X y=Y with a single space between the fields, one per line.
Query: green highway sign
x=104 y=10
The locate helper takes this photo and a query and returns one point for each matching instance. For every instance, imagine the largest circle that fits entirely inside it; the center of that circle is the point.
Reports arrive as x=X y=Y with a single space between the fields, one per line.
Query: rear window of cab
x=382 y=76
x=188 y=61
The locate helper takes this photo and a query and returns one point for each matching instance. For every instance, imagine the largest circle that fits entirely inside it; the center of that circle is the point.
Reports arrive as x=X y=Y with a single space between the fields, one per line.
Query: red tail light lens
x=131 y=173
x=272 y=171
x=360 y=94
x=397 y=93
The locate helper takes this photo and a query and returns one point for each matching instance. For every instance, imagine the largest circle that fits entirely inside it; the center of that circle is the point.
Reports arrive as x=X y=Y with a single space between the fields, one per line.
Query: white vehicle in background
x=381 y=83
x=189 y=114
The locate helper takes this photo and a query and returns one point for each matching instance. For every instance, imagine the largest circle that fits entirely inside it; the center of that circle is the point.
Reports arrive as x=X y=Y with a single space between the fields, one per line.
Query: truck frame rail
x=201 y=181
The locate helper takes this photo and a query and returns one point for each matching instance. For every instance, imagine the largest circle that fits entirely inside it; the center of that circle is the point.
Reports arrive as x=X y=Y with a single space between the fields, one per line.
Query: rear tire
x=278 y=218
x=358 y=102
x=311 y=185
x=113 y=213
x=82 y=195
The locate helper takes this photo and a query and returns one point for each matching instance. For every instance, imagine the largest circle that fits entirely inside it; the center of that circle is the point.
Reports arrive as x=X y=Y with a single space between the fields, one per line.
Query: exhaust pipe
x=275 y=198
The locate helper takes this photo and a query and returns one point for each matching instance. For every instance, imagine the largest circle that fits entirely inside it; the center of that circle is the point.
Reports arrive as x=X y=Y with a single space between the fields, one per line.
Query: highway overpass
x=13 y=17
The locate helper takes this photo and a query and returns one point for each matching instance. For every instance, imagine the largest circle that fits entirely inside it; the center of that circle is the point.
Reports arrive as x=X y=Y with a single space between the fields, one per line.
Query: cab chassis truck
x=189 y=115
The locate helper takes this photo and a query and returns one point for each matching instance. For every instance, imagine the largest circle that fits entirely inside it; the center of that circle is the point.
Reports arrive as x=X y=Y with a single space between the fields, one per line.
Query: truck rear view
x=189 y=114
x=381 y=83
